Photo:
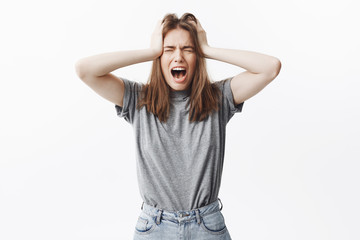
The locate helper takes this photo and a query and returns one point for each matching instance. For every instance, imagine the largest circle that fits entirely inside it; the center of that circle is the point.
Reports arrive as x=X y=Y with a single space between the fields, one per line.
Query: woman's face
x=178 y=60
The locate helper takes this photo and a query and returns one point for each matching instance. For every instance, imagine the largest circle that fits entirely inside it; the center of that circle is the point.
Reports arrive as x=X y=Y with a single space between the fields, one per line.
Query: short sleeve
x=131 y=93
x=228 y=108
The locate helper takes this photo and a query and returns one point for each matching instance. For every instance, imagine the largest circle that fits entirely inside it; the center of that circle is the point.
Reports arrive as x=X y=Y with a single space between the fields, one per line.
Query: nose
x=178 y=57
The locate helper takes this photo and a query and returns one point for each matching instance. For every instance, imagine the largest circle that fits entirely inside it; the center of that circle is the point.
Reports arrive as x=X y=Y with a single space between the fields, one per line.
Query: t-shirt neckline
x=179 y=95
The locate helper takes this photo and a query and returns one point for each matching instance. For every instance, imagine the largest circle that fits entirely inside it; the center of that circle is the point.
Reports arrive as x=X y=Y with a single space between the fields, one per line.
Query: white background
x=67 y=168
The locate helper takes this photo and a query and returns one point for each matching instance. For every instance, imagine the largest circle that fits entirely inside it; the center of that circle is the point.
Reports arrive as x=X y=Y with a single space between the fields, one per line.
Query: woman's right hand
x=156 y=40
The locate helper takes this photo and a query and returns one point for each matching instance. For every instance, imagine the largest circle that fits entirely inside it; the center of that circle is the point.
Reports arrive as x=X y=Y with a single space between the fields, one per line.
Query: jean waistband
x=182 y=215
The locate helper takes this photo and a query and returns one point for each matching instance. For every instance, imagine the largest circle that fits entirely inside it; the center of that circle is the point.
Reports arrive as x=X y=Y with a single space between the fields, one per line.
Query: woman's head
x=181 y=66
x=181 y=51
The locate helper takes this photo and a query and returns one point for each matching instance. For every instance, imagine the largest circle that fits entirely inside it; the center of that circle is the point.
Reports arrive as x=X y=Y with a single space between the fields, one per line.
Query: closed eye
x=168 y=48
x=188 y=49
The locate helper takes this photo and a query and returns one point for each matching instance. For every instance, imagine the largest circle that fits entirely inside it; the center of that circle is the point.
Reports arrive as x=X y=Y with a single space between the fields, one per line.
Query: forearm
x=102 y=64
x=251 y=61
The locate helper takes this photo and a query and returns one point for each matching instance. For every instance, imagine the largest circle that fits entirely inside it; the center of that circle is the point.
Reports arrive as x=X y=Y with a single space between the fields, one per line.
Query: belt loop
x=197 y=212
x=158 y=218
x=221 y=204
x=142 y=205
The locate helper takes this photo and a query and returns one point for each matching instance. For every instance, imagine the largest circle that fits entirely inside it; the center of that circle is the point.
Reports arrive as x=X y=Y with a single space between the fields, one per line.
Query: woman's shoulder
x=132 y=85
x=222 y=84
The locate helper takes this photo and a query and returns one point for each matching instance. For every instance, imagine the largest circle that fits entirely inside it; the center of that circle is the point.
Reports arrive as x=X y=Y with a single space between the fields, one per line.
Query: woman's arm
x=102 y=64
x=260 y=69
x=95 y=71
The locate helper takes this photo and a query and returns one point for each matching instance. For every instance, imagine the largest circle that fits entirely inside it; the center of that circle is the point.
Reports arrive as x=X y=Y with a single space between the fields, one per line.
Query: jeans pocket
x=214 y=223
x=145 y=224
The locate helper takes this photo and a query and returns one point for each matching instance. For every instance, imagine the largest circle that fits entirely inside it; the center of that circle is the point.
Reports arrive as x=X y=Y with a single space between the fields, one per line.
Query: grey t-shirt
x=179 y=163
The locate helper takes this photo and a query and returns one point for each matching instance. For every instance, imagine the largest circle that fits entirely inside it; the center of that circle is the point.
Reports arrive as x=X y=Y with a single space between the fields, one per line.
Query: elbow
x=274 y=69
x=80 y=69
x=277 y=66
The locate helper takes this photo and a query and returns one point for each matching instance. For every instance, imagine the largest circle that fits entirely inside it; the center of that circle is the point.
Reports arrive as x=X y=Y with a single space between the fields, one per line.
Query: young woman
x=179 y=119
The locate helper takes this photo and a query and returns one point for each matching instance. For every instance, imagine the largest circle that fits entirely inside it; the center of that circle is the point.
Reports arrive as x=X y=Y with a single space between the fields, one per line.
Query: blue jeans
x=205 y=223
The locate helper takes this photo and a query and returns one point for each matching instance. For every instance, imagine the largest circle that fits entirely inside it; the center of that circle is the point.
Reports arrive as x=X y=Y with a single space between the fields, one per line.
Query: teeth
x=178 y=69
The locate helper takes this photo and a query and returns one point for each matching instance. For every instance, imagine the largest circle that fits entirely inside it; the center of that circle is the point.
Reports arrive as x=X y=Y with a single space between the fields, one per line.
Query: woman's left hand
x=202 y=36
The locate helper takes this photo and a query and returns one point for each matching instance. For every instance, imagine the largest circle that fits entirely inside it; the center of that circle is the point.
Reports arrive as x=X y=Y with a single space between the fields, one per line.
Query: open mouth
x=178 y=73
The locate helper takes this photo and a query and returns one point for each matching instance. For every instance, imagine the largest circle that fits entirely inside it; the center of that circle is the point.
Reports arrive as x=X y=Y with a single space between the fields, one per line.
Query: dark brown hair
x=204 y=96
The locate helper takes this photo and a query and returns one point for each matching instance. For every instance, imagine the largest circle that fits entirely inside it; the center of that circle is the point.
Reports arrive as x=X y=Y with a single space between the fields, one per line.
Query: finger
x=159 y=26
x=192 y=22
x=196 y=25
x=199 y=25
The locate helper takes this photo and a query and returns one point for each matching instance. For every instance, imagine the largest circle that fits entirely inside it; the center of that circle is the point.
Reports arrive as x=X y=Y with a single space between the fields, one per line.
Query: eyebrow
x=184 y=47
